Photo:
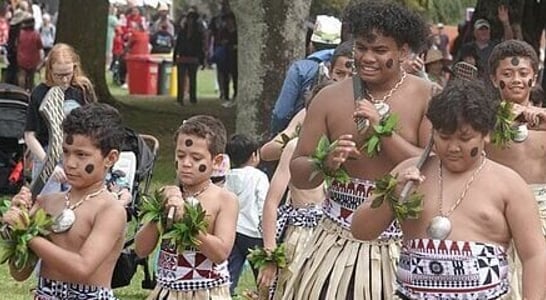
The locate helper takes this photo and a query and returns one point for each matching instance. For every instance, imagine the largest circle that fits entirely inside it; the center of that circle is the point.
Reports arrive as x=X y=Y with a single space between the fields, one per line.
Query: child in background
x=250 y=185
x=201 y=273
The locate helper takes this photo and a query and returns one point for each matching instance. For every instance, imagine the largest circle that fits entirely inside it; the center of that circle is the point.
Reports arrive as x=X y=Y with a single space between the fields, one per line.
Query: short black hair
x=207 y=127
x=463 y=102
x=389 y=19
x=512 y=48
x=344 y=49
x=240 y=148
x=100 y=122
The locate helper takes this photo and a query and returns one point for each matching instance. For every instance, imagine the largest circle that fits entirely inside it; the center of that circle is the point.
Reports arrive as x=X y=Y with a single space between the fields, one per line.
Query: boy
x=250 y=185
x=78 y=260
x=336 y=265
x=461 y=191
x=201 y=273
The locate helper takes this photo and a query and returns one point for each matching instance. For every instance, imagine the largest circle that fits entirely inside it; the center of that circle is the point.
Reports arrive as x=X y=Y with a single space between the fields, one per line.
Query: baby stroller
x=133 y=171
x=13 y=110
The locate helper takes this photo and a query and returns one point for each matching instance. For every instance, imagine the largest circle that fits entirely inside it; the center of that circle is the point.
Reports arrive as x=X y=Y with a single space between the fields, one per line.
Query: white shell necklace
x=440 y=225
x=64 y=221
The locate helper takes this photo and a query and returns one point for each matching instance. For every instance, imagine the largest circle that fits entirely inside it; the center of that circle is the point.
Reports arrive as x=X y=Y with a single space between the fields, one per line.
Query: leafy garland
x=184 y=233
x=385 y=128
x=385 y=191
x=152 y=210
x=318 y=159
x=504 y=132
x=260 y=257
x=14 y=242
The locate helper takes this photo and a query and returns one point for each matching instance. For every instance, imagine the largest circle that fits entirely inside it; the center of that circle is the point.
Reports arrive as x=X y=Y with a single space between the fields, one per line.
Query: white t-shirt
x=250 y=185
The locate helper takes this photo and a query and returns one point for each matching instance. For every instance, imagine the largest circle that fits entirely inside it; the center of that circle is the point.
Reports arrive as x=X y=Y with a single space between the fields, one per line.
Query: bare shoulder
x=511 y=181
x=225 y=198
x=110 y=206
x=339 y=91
x=421 y=88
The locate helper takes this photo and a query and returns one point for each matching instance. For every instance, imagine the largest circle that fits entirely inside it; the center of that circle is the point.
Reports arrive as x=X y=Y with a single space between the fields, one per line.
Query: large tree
x=271 y=36
x=82 y=24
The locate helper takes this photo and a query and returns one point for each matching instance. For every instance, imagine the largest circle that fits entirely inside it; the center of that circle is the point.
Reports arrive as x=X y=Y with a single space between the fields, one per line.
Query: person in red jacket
x=29 y=46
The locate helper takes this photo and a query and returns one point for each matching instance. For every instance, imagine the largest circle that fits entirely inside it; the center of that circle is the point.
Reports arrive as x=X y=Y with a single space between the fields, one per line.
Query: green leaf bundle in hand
x=504 y=132
x=14 y=243
x=318 y=158
x=386 y=127
x=152 y=210
x=4 y=206
x=183 y=234
x=385 y=191
x=259 y=257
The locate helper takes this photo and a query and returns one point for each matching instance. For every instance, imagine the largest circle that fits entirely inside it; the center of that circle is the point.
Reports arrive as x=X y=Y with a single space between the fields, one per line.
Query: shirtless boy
x=457 y=248
x=78 y=260
x=200 y=143
x=336 y=265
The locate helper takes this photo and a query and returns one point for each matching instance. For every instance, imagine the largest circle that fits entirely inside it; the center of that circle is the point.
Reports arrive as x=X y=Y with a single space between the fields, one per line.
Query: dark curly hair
x=100 y=122
x=389 y=19
x=512 y=48
x=207 y=127
x=463 y=102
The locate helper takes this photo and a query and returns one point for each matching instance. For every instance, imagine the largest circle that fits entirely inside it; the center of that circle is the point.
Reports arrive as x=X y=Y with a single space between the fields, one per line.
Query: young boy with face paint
x=200 y=143
x=458 y=247
x=514 y=68
x=337 y=265
x=78 y=259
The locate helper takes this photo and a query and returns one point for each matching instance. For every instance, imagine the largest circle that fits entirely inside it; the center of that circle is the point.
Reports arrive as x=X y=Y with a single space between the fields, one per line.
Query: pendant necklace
x=381 y=105
x=64 y=221
x=440 y=225
x=192 y=199
x=522 y=133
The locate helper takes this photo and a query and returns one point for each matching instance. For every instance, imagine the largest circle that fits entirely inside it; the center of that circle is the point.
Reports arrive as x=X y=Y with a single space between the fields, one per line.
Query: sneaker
x=124 y=86
x=228 y=104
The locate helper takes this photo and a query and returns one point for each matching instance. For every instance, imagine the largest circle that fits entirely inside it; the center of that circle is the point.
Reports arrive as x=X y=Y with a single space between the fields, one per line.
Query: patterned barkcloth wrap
x=296 y=226
x=308 y=216
x=58 y=290
x=334 y=265
x=539 y=190
x=189 y=274
x=452 y=270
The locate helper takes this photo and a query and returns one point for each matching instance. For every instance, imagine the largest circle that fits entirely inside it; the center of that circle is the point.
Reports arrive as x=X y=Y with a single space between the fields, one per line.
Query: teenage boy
x=457 y=247
x=200 y=273
x=78 y=258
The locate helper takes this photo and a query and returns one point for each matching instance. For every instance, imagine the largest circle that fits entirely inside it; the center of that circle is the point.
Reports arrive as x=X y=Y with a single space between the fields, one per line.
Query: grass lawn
x=158 y=116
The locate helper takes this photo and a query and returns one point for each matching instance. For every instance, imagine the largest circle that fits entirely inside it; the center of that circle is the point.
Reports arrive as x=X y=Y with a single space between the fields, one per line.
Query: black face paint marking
x=69 y=139
x=202 y=168
x=530 y=83
x=389 y=63
x=474 y=152
x=514 y=61
x=89 y=168
x=502 y=85
x=189 y=142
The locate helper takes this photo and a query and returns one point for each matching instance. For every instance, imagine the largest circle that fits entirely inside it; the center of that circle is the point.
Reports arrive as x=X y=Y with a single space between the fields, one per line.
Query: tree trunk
x=82 y=24
x=271 y=36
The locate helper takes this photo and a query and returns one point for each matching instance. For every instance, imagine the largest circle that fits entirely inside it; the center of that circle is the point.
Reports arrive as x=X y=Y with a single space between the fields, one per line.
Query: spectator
x=230 y=65
x=110 y=33
x=162 y=20
x=162 y=41
x=189 y=53
x=250 y=185
x=15 y=26
x=441 y=40
x=47 y=34
x=301 y=74
x=435 y=67
x=29 y=47
x=139 y=40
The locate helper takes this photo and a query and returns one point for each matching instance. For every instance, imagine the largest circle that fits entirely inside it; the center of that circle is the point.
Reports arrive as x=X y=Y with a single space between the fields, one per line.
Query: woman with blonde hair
x=63 y=69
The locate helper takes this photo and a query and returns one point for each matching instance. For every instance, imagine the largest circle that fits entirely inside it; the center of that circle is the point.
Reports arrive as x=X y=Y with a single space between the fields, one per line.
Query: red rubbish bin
x=142 y=72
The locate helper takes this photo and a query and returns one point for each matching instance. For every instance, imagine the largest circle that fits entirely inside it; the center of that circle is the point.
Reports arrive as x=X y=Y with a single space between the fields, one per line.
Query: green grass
x=158 y=116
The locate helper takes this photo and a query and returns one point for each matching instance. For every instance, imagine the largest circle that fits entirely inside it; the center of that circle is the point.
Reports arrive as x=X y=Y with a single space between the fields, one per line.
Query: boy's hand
x=411 y=173
x=59 y=175
x=367 y=110
x=533 y=115
x=173 y=198
x=267 y=275
x=345 y=147
x=22 y=199
x=12 y=216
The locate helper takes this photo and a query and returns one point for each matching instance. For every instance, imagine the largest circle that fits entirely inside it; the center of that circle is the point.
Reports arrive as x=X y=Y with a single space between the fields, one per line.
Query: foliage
x=328 y=7
x=259 y=257
x=14 y=242
x=184 y=232
x=152 y=210
x=504 y=132
x=4 y=206
x=385 y=191
x=318 y=158
x=386 y=127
